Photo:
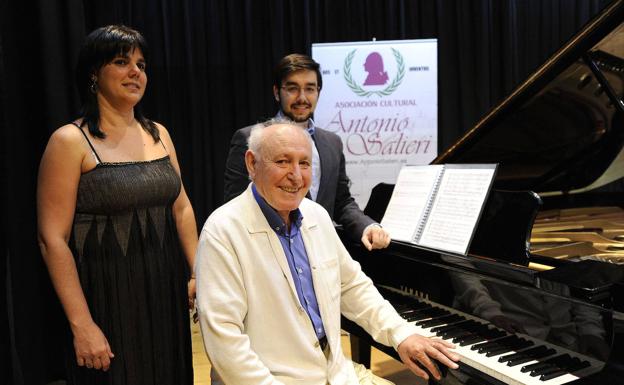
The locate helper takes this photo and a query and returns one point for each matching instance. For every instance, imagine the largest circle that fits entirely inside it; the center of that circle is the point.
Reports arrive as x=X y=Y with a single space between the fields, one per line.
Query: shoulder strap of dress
x=163 y=144
x=160 y=140
x=95 y=154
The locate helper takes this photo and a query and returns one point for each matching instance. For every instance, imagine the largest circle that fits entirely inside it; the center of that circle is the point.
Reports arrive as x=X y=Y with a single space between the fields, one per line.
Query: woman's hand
x=191 y=293
x=92 y=349
x=191 y=298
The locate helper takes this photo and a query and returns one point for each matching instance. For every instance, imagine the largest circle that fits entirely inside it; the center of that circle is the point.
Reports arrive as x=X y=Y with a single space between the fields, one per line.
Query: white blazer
x=255 y=330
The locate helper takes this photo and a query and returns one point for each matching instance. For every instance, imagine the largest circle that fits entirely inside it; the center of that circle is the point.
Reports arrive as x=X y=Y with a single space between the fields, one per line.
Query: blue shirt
x=297 y=257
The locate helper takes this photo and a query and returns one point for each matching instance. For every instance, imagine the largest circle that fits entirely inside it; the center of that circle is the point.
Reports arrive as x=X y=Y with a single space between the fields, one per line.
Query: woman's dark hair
x=293 y=63
x=101 y=47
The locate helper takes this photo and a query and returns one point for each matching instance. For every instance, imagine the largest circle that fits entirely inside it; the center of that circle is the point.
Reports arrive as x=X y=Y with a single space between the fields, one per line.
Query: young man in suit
x=296 y=88
x=273 y=279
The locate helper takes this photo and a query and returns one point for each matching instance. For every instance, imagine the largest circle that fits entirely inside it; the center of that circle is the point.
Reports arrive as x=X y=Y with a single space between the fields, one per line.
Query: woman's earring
x=93 y=84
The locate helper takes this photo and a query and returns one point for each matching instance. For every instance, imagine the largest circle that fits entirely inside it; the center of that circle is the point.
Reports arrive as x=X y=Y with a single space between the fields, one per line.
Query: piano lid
x=562 y=129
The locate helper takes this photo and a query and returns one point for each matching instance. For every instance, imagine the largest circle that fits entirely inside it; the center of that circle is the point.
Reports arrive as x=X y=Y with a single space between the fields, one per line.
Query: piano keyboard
x=511 y=358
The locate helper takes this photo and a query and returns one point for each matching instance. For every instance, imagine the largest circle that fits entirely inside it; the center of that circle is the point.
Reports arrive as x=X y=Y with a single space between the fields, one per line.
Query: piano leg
x=360 y=350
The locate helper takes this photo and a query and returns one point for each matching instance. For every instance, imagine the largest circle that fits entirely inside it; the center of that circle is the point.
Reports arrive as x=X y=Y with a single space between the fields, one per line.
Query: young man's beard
x=299 y=119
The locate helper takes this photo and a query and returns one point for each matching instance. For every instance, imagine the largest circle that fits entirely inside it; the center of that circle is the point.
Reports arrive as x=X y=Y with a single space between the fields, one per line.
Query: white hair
x=256 y=138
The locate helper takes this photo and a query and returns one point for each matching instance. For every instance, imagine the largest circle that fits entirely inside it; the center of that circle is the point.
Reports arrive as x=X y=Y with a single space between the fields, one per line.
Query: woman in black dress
x=116 y=228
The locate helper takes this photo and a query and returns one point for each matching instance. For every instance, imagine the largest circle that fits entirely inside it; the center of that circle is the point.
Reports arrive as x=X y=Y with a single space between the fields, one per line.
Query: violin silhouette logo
x=377 y=75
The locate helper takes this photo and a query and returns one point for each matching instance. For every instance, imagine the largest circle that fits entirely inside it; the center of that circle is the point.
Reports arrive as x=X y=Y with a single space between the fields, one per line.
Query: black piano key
x=577 y=365
x=457 y=318
x=400 y=307
x=519 y=360
x=440 y=321
x=439 y=330
x=481 y=333
x=448 y=329
x=454 y=334
x=512 y=356
x=505 y=347
x=501 y=346
x=539 y=368
x=568 y=363
x=454 y=326
x=489 y=342
x=434 y=321
x=482 y=347
x=496 y=351
x=527 y=355
x=411 y=312
x=429 y=322
x=513 y=343
x=563 y=362
x=551 y=361
x=582 y=365
x=491 y=334
x=537 y=365
x=416 y=316
x=437 y=312
x=475 y=326
x=522 y=344
x=411 y=307
x=427 y=313
x=550 y=376
x=463 y=341
x=468 y=326
x=546 y=352
x=545 y=370
x=540 y=351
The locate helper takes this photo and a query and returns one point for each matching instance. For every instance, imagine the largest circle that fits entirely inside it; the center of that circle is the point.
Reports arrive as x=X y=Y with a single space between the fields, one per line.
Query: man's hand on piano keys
x=417 y=350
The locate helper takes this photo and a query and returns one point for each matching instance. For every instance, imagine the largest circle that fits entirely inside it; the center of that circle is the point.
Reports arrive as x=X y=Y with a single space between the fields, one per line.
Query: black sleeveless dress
x=133 y=273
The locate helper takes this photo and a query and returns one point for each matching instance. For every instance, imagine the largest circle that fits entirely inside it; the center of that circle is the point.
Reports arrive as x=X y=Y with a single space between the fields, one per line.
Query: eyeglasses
x=293 y=90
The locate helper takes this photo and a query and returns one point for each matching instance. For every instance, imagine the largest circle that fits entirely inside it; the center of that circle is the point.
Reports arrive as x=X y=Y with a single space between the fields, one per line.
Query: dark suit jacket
x=333 y=194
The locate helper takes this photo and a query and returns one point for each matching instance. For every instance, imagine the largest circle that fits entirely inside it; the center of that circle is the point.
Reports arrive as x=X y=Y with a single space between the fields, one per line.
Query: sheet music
x=409 y=199
x=456 y=208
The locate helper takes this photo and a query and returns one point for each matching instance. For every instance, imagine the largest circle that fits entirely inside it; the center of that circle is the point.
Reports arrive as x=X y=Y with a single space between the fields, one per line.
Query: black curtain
x=210 y=74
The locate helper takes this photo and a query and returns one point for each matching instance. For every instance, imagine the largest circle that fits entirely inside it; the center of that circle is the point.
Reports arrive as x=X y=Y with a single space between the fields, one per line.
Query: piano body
x=539 y=299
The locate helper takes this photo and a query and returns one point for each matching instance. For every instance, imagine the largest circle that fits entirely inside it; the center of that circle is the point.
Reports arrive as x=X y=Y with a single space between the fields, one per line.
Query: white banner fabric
x=381 y=98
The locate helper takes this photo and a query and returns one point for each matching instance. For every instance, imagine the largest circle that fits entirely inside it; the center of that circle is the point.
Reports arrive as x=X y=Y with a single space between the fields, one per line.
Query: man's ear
x=276 y=94
x=250 y=163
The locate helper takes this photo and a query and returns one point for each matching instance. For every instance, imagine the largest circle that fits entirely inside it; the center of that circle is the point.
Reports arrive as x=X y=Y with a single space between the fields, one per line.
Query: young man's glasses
x=293 y=90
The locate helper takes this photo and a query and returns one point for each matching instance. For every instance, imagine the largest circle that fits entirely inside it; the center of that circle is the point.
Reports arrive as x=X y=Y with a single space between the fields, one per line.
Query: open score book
x=438 y=206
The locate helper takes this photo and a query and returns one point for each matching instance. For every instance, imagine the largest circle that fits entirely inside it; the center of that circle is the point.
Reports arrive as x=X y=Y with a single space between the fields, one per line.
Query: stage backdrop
x=381 y=98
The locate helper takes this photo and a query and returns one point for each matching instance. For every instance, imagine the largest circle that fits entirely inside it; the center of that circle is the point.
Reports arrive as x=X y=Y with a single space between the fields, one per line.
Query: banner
x=381 y=98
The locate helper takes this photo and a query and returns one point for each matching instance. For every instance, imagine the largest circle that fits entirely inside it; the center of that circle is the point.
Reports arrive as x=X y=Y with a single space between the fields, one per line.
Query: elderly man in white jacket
x=273 y=278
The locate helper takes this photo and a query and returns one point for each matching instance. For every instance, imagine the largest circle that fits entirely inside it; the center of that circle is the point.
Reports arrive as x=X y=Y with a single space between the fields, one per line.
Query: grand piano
x=539 y=298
